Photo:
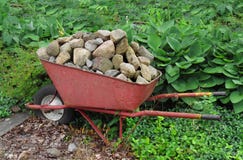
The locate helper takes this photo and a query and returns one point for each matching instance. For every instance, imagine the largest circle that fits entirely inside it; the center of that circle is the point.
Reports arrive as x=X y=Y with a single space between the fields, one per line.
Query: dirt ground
x=42 y=139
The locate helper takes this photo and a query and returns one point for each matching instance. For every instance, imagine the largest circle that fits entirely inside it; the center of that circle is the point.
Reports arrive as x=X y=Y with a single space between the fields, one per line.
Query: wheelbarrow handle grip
x=220 y=93
x=210 y=117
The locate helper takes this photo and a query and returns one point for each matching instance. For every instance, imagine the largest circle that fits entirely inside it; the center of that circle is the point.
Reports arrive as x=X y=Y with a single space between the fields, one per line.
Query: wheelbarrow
x=78 y=90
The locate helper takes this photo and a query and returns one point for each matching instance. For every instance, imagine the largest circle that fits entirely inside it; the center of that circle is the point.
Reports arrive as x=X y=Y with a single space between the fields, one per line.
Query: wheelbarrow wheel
x=48 y=95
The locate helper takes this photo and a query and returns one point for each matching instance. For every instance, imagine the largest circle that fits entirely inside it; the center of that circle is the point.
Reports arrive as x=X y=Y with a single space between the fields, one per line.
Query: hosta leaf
x=154 y=41
x=213 y=70
x=231 y=69
x=32 y=37
x=189 y=100
x=229 y=84
x=171 y=79
x=195 y=50
x=187 y=41
x=213 y=81
x=230 y=75
x=237 y=82
x=162 y=58
x=236 y=97
x=218 y=61
x=183 y=65
x=172 y=71
x=173 y=43
x=165 y=26
x=182 y=85
x=238 y=107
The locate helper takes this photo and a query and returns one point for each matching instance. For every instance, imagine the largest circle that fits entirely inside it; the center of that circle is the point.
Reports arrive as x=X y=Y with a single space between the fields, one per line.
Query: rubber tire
x=51 y=90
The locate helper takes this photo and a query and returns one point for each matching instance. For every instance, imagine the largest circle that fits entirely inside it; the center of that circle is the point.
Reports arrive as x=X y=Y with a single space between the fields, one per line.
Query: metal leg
x=94 y=126
x=120 y=126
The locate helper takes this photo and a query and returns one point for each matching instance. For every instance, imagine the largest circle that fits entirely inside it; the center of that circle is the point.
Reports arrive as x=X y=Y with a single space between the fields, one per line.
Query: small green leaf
x=154 y=41
x=183 y=65
x=229 y=84
x=32 y=37
x=174 y=43
x=165 y=26
x=182 y=85
x=238 y=107
x=236 y=97
x=171 y=79
x=213 y=70
x=172 y=71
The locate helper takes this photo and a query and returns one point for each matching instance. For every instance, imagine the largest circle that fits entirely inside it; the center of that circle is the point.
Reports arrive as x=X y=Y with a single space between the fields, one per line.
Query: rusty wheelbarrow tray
x=87 y=91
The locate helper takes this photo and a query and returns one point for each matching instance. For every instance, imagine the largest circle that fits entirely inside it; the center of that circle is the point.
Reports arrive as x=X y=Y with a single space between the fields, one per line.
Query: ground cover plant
x=197 y=45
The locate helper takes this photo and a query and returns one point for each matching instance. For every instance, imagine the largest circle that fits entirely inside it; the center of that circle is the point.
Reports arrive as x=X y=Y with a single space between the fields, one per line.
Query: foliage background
x=197 y=45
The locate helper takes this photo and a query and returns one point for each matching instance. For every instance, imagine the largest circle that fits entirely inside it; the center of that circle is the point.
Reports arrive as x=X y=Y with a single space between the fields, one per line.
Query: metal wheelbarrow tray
x=87 y=91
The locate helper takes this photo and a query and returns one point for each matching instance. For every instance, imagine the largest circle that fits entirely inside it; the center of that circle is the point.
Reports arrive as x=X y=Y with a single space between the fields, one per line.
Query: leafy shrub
x=5 y=104
x=167 y=138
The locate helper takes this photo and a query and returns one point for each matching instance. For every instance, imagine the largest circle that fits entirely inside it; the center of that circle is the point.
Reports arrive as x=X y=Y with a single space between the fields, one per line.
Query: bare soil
x=46 y=140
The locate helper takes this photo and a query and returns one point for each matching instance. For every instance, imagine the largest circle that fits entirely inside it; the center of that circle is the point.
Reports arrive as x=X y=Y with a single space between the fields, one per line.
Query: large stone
x=122 y=46
x=132 y=58
x=77 y=43
x=80 y=55
x=117 y=35
x=102 y=63
x=141 y=80
x=90 y=45
x=103 y=34
x=145 y=72
x=135 y=46
x=63 y=40
x=78 y=35
x=112 y=72
x=72 y=147
x=98 y=41
x=70 y=64
x=65 y=48
x=107 y=50
x=144 y=60
x=53 y=48
x=42 y=53
x=142 y=51
x=89 y=36
x=54 y=152
x=122 y=77
x=127 y=69
x=117 y=60
x=89 y=63
x=52 y=59
x=63 y=57
x=154 y=72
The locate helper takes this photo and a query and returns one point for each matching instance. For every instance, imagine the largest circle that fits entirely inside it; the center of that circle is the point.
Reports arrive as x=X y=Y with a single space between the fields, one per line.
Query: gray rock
x=142 y=51
x=132 y=58
x=78 y=35
x=54 y=152
x=89 y=36
x=70 y=64
x=127 y=69
x=112 y=72
x=85 y=68
x=117 y=60
x=103 y=34
x=99 y=72
x=122 y=46
x=72 y=147
x=145 y=72
x=90 y=45
x=52 y=59
x=141 y=80
x=80 y=55
x=144 y=60
x=122 y=77
x=65 y=48
x=107 y=50
x=63 y=57
x=89 y=63
x=154 y=72
x=99 y=41
x=63 y=40
x=77 y=43
x=135 y=46
x=101 y=63
x=53 y=48
x=117 y=35
x=42 y=53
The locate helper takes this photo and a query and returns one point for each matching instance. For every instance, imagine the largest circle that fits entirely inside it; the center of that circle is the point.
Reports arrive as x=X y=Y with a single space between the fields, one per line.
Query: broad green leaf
x=162 y=58
x=171 y=79
x=213 y=70
x=237 y=82
x=173 y=43
x=218 y=61
x=198 y=60
x=154 y=41
x=230 y=75
x=213 y=81
x=183 y=65
x=236 y=97
x=165 y=26
x=189 y=71
x=195 y=50
x=32 y=37
x=187 y=41
x=238 y=107
x=182 y=85
x=229 y=84
x=231 y=69
x=225 y=100
x=172 y=71
x=189 y=100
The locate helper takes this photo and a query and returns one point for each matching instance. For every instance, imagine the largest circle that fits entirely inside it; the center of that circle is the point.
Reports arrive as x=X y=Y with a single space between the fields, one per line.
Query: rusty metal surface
x=86 y=89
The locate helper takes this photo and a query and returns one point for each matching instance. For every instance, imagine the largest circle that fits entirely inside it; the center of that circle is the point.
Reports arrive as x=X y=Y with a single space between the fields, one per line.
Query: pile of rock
x=104 y=52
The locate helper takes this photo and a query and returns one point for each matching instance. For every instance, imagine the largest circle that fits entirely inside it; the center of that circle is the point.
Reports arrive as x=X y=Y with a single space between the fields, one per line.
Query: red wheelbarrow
x=78 y=90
